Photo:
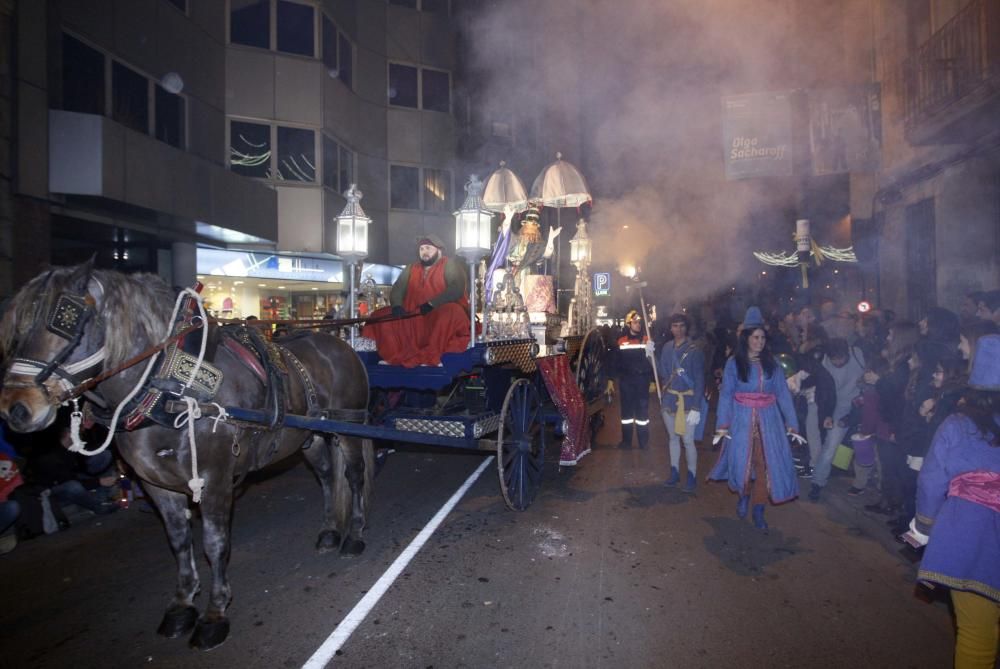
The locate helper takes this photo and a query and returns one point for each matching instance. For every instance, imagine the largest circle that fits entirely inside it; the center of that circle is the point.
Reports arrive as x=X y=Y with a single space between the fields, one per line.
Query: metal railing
x=957 y=59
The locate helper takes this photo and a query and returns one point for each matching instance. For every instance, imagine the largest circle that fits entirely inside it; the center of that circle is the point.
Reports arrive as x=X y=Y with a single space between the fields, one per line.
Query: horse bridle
x=68 y=320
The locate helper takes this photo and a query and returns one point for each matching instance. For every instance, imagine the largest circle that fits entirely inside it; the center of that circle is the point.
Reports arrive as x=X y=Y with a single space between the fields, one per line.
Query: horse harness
x=68 y=320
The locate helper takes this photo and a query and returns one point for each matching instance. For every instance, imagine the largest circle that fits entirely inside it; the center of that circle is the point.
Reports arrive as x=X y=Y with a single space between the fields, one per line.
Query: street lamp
x=352 y=240
x=472 y=239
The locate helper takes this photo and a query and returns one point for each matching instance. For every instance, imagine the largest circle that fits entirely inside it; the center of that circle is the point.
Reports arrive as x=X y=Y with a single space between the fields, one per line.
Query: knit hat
x=985 y=373
x=753 y=318
x=431 y=239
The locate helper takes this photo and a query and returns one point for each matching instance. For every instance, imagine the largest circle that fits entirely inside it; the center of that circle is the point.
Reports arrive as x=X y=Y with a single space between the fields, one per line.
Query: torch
x=803 y=246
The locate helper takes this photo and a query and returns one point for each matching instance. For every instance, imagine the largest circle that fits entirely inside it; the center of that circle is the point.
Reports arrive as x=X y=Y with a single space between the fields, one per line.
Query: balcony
x=951 y=85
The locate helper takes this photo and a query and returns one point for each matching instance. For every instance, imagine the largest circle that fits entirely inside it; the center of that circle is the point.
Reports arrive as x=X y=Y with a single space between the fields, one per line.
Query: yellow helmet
x=631 y=316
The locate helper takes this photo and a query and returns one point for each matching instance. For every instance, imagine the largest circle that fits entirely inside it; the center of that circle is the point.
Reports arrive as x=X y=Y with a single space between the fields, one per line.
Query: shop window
x=346 y=169
x=250 y=149
x=169 y=118
x=436 y=90
x=296 y=154
x=437 y=191
x=250 y=22
x=402 y=85
x=404 y=187
x=82 y=77
x=295 y=28
x=346 y=60
x=129 y=98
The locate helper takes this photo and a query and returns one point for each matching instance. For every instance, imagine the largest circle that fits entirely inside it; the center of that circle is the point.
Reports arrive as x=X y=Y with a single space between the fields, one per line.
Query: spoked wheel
x=590 y=366
x=520 y=445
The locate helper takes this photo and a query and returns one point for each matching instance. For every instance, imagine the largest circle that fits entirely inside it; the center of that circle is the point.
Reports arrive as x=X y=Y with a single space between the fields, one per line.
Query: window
x=82 y=77
x=404 y=184
x=436 y=88
x=338 y=54
x=250 y=22
x=250 y=149
x=296 y=154
x=437 y=191
x=179 y=4
x=346 y=54
x=169 y=118
x=129 y=98
x=331 y=172
x=330 y=46
x=402 y=85
x=295 y=28
x=346 y=169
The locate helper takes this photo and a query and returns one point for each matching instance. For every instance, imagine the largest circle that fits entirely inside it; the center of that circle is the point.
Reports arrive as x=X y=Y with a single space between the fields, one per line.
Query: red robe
x=422 y=340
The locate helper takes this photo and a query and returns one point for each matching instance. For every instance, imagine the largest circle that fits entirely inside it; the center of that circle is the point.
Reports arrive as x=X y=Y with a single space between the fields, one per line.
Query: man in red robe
x=437 y=287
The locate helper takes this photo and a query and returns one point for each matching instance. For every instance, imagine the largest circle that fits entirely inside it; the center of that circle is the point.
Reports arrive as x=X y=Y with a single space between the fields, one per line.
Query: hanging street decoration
x=806 y=248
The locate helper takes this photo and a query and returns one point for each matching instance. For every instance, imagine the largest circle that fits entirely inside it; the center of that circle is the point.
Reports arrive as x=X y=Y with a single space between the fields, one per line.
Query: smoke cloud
x=636 y=87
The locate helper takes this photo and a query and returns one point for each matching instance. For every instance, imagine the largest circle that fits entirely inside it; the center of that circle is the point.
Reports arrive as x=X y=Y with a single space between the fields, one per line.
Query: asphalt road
x=606 y=569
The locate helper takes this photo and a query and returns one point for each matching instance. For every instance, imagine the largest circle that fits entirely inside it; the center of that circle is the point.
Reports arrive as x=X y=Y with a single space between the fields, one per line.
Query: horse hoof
x=178 y=621
x=352 y=547
x=327 y=541
x=210 y=634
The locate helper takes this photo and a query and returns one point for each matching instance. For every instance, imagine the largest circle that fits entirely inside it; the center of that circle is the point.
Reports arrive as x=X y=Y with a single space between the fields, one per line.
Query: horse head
x=49 y=342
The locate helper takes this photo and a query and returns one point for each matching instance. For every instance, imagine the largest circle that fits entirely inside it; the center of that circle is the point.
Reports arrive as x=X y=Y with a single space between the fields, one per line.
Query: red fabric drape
x=421 y=341
x=566 y=395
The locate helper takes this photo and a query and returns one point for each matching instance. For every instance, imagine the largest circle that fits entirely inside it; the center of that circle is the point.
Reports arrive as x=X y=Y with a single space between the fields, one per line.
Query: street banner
x=757 y=133
x=845 y=129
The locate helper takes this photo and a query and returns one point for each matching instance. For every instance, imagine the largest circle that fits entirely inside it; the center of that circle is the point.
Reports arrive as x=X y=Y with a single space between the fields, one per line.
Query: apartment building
x=937 y=196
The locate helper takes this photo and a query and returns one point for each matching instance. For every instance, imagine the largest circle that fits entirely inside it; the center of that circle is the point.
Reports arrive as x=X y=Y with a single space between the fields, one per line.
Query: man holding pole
x=634 y=375
x=682 y=364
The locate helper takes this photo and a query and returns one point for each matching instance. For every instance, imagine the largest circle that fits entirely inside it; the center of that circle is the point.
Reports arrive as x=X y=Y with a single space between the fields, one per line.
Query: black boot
x=626 y=436
x=642 y=432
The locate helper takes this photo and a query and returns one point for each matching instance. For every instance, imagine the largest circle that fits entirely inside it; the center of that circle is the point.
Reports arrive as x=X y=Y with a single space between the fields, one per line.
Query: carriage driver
x=437 y=287
x=634 y=376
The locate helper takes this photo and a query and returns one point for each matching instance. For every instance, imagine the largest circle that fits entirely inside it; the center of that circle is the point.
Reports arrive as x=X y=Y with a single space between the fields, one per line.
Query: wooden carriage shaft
x=357 y=429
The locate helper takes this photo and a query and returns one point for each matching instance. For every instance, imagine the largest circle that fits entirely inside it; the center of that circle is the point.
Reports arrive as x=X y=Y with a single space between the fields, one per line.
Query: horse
x=72 y=323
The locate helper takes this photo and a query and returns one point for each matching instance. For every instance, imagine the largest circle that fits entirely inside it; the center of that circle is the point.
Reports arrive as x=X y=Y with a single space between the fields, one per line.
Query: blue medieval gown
x=964 y=548
x=774 y=418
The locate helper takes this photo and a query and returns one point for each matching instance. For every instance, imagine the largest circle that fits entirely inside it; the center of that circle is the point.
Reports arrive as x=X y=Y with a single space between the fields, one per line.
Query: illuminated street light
x=472 y=239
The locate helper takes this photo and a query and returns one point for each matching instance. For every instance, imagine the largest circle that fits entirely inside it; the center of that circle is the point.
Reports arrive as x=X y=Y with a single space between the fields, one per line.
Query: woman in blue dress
x=755 y=418
x=958 y=511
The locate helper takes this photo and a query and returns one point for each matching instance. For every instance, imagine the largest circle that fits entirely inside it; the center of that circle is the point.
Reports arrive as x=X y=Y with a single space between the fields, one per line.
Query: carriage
x=195 y=405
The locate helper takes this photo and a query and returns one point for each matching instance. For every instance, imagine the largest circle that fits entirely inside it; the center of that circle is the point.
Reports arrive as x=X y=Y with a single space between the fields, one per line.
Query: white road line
x=343 y=631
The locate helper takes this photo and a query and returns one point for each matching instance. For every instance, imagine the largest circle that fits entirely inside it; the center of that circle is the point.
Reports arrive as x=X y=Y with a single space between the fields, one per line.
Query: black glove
x=398 y=311
x=425 y=308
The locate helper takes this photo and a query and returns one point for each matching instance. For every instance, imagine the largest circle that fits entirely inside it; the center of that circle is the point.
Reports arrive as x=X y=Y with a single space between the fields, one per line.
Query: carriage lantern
x=472 y=239
x=352 y=240
x=580 y=246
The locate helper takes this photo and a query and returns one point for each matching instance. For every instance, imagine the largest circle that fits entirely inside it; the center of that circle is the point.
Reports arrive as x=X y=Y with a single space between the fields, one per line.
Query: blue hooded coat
x=734 y=464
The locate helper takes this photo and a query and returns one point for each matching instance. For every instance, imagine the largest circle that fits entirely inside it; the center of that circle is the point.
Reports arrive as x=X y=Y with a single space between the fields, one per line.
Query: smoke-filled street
x=607 y=569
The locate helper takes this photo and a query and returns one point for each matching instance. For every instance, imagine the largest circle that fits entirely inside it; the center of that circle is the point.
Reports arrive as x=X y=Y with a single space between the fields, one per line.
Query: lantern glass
x=352 y=235
x=472 y=230
x=580 y=246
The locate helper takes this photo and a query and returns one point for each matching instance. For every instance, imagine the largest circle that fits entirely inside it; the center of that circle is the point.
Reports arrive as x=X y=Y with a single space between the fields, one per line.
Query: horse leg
x=216 y=516
x=320 y=458
x=354 y=469
x=181 y=615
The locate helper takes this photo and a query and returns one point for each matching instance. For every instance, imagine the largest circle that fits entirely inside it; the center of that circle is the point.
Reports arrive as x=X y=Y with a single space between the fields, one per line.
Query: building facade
x=937 y=196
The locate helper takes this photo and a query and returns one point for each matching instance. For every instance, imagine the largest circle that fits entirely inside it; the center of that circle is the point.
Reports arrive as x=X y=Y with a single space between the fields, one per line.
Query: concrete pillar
x=183 y=264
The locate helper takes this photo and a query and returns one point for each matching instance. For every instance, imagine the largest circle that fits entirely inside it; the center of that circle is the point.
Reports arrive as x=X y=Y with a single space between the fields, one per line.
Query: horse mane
x=134 y=310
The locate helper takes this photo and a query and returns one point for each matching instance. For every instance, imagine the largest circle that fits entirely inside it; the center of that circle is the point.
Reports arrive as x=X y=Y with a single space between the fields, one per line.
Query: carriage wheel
x=520 y=445
x=590 y=371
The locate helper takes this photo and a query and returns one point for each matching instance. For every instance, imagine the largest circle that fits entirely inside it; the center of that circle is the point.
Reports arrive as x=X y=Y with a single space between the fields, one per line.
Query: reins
x=318 y=323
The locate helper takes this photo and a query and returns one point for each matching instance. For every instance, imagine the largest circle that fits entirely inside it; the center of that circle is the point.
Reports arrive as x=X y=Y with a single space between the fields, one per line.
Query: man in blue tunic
x=682 y=364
